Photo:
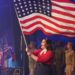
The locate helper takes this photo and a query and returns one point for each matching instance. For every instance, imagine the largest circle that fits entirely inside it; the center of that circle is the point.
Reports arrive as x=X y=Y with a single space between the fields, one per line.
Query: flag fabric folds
x=51 y=17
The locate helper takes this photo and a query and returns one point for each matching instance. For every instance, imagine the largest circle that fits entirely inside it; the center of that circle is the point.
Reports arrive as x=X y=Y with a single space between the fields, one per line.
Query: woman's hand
x=26 y=49
x=28 y=53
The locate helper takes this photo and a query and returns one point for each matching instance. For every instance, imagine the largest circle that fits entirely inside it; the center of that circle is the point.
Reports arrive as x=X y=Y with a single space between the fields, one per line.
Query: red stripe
x=48 y=27
x=28 y=33
x=64 y=7
x=64 y=20
x=60 y=32
x=29 y=19
x=65 y=1
x=61 y=26
x=35 y=17
x=38 y=22
x=47 y=33
x=63 y=13
x=70 y=33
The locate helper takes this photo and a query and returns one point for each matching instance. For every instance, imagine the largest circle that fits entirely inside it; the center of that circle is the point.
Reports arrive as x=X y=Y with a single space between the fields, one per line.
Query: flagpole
x=21 y=30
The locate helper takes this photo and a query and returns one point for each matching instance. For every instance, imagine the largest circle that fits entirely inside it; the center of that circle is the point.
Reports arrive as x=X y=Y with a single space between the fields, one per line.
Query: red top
x=44 y=58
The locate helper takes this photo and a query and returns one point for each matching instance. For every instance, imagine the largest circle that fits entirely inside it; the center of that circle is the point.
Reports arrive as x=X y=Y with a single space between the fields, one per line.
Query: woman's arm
x=41 y=58
x=45 y=57
x=36 y=52
x=34 y=57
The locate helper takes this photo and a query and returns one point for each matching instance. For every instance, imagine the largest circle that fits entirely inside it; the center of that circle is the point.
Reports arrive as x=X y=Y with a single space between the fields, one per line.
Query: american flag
x=49 y=16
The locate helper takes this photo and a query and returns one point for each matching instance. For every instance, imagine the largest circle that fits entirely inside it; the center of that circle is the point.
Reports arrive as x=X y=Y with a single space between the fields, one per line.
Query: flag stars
x=30 y=5
x=48 y=1
x=24 y=2
x=31 y=11
x=14 y=0
x=48 y=8
x=29 y=1
x=16 y=4
x=44 y=12
x=43 y=3
x=21 y=6
x=20 y=3
x=39 y=2
x=18 y=12
x=48 y=4
x=48 y=14
x=35 y=7
x=39 y=5
x=48 y=11
x=26 y=8
x=27 y=12
x=40 y=11
x=19 y=15
x=39 y=8
x=19 y=0
x=35 y=10
x=44 y=6
x=25 y=5
x=17 y=8
x=34 y=1
x=24 y=14
x=23 y=11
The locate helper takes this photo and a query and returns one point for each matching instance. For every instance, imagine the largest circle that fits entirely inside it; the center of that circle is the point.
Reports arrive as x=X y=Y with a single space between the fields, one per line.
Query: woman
x=43 y=57
x=69 y=59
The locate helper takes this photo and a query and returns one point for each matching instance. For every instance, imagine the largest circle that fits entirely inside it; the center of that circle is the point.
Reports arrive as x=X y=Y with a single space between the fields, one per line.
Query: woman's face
x=43 y=44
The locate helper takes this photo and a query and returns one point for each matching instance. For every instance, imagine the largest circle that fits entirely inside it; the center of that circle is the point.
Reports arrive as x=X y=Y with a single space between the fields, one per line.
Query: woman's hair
x=49 y=44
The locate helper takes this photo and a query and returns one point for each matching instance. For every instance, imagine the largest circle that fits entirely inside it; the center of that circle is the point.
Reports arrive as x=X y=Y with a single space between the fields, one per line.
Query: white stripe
x=63 y=10
x=46 y=23
x=62 y=16
x=28 y=16
x=63 y=23
x=38 y=25
x=64 y=4
x=51 y=19
x=45 y=29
